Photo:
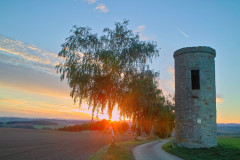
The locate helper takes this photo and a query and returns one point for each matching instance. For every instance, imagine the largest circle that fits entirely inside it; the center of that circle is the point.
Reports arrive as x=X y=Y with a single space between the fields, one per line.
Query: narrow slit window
x=195 y=79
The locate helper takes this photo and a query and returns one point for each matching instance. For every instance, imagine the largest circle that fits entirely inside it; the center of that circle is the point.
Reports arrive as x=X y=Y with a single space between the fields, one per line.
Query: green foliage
x=98 y=68
x=228 y=148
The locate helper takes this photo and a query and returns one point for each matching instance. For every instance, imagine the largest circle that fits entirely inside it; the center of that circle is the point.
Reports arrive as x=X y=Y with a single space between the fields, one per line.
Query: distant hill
x=33 y=122
x=228 y=129
x=58 y=121
x=7 y=119
x=222 y=128
x=228 y=124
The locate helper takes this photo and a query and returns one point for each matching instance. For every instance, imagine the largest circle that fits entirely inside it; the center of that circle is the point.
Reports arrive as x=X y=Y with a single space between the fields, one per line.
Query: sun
x=115 y=115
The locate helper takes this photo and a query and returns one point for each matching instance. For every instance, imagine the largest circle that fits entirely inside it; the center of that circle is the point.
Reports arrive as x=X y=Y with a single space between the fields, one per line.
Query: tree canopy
x=146 y=105
x=98 y=68
x=111 y=70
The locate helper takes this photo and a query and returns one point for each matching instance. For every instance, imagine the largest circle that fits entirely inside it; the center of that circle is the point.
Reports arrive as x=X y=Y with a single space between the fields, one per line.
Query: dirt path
x=22 y=144
x=153 y=151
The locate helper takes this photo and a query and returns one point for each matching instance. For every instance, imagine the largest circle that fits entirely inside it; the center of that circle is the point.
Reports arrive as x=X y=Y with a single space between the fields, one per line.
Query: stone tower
x=195 y=97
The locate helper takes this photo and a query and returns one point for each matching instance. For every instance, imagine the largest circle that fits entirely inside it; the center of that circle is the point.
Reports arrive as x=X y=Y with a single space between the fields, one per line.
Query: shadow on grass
x=227 y=149
x=119 y=151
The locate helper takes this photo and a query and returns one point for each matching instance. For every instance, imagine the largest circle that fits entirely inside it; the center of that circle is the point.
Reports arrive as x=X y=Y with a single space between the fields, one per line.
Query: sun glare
x=115 y=115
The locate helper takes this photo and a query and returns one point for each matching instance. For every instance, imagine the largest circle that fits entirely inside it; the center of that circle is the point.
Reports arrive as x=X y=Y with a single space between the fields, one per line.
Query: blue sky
x=31 y=33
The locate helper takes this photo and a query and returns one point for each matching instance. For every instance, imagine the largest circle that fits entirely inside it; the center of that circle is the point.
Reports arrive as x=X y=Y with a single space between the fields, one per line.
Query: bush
x=102 y=125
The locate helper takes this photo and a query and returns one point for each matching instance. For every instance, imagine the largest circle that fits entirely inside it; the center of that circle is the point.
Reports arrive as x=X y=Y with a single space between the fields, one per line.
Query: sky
x=31 y=34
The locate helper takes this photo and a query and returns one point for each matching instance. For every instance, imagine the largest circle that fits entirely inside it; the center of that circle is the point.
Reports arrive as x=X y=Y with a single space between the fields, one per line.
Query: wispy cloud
x=13 y=101
x=19 y=53
x=90 y=1
x=219 y=100
x=34 y=48
x=102 y=8
x=29 y=104
x=41 y=110
x=24 y=55
x=28 y=72
x=32 y=81
x=167 y=85
x=183 y=33
x=29 y=69
x=170 y=70
x=140 y=29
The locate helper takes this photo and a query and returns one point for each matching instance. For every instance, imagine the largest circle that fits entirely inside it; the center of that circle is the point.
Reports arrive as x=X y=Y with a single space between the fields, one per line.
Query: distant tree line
x=103 y=125
x=32 y=122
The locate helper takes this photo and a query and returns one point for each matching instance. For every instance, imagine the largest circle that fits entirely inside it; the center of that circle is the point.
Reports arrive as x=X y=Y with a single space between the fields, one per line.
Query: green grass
x=119 y=151
x=228 y=149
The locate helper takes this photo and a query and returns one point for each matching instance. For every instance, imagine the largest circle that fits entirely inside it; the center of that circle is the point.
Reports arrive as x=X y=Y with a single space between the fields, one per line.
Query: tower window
x=195 y=79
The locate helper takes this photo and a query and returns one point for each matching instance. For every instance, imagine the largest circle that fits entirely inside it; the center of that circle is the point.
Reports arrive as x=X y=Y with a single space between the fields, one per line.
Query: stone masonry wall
x=195 y=109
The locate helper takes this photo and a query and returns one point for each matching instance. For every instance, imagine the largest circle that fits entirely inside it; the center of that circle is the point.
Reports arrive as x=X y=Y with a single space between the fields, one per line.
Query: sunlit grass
x=119 y=151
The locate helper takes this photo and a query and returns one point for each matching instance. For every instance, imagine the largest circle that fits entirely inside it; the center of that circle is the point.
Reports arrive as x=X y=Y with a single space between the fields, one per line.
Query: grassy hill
x=228 y=129
x=39 y=123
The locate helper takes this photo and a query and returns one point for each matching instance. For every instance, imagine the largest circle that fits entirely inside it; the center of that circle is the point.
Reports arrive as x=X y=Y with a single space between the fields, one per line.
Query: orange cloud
x=33 y=81
x=34 y=48
x=24 y=55
x=219 y=100
x=170 y=70
x=167 y=84
x=33 y=108
x=12 y=101
x=42 y=113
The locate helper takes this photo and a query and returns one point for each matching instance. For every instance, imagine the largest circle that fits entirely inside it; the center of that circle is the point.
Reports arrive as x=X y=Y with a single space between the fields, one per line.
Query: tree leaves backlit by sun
x=110 y=71
x=97 y=68
x=146 y=105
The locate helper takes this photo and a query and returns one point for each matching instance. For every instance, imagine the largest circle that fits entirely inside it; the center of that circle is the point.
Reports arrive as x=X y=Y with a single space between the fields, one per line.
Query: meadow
x=228 y=148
